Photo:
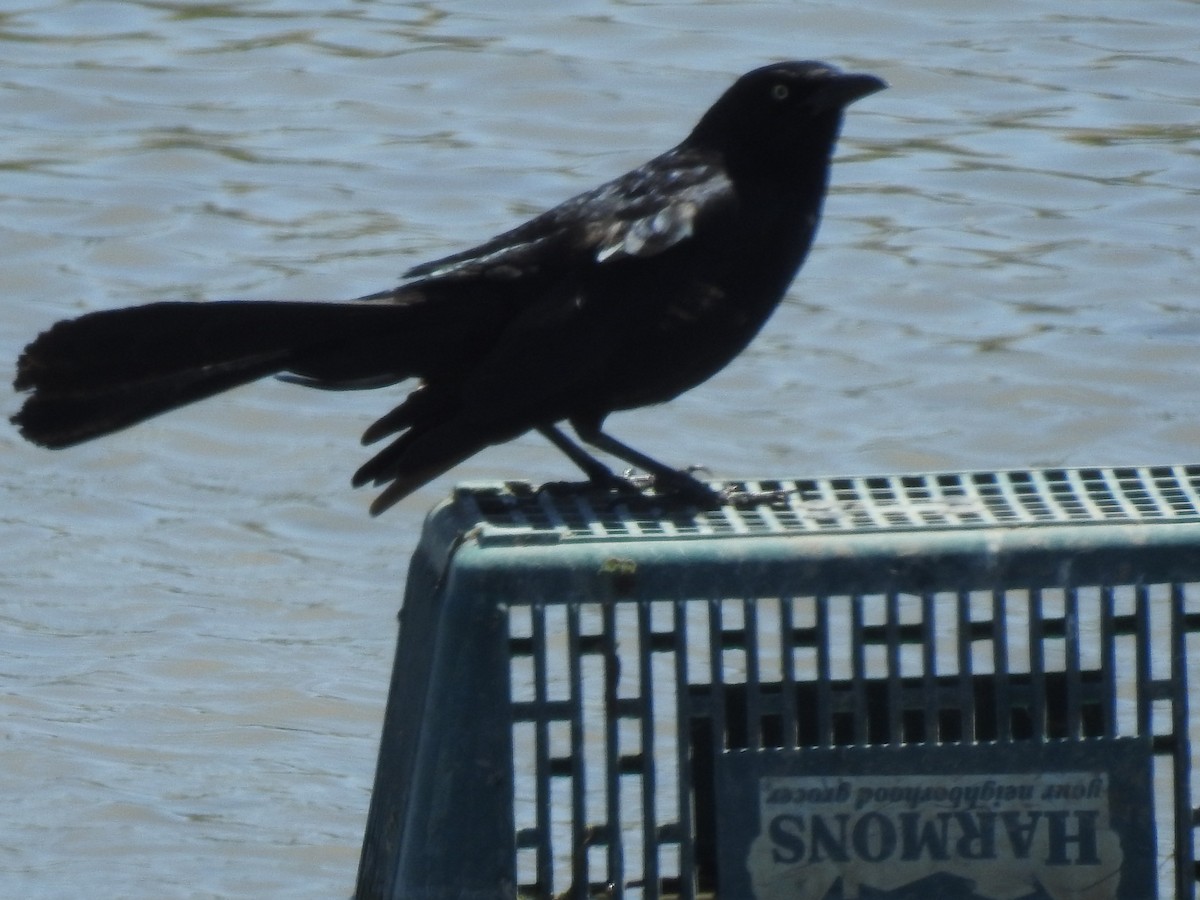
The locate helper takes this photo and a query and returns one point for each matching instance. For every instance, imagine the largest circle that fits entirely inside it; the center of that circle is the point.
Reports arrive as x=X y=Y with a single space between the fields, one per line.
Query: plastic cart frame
x=571 y=667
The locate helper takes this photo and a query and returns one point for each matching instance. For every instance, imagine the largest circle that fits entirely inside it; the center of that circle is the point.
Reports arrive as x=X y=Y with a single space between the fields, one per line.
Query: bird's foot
x=613 y=484
x=670 y=484
x=750 y=499
x=725 y=496
x=625 y=483
x=667 y=484
x=680 y=484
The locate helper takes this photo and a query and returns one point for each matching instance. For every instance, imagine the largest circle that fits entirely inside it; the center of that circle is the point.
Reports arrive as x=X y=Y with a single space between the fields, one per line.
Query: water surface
x=198 y=615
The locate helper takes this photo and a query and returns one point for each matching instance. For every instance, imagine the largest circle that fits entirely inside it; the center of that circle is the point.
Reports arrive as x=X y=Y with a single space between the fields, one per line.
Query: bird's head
x=786 y=114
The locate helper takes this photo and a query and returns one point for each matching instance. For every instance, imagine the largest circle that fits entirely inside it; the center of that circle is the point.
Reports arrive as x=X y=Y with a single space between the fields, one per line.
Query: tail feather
x=108 y=370
x=105 y=371
x=58 y=419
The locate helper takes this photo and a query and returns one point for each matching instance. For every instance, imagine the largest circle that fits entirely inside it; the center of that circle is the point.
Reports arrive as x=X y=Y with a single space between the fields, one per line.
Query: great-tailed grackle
x=623 y=296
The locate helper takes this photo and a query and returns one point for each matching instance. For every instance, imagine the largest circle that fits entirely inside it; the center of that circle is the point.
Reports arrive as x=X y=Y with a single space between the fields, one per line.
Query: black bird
x=623 y=296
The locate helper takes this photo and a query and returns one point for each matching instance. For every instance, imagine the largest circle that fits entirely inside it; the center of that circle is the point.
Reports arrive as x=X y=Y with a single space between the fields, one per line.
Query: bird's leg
x=597 y=472
x=666 y=479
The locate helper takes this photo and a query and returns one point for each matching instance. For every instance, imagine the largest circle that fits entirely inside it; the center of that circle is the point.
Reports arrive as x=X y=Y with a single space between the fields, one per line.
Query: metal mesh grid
x=619 y=708
x=855 y=504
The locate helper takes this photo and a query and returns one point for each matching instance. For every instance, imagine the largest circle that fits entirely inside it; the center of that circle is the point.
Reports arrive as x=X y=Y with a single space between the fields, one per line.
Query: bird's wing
x=638 y=215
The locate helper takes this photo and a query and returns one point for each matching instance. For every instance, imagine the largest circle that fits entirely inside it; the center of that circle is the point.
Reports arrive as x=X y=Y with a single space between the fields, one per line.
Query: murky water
x=197 y=616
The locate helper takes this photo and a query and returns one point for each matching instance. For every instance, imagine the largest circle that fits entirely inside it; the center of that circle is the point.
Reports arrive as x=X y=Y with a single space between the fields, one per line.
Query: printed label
x=1040 y=821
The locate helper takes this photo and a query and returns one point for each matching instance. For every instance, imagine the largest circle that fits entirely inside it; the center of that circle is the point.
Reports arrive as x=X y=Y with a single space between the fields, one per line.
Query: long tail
x=108 y=370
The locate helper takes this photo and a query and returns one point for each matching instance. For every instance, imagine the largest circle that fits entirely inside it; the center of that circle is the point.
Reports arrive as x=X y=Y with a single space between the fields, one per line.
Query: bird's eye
x=779 y=91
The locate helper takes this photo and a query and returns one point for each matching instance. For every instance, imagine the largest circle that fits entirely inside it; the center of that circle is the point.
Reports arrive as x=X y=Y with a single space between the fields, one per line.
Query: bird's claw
x=749 y=499
x=633 y=484
x=638 y=481
x=678 y=484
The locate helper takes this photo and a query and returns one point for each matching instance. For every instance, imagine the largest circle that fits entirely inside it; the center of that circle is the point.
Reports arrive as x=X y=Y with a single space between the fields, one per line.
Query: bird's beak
x=844 y=88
